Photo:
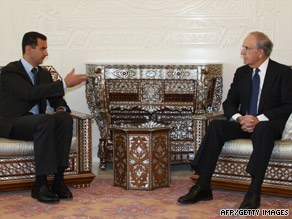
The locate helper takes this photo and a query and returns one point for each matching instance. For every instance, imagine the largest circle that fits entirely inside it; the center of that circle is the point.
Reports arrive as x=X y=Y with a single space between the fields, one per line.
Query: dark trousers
x=219 y=131
x=51 y=134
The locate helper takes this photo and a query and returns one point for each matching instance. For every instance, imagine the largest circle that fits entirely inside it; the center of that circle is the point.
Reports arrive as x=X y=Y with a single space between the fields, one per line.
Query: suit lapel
x=247 y=88
x=268 y=82
x=23 y=72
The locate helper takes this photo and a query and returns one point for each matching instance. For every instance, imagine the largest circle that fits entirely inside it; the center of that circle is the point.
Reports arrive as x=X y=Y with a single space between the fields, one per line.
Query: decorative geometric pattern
x=151 y=92
x=124 y=73
x=139 y=161
x=10 y=170
x=141 y=157
x=120 y=159
x=182 y=130
x=168 y=94
x=149 y=24
x=160 y=160
x=85 y=139
x=24 y=168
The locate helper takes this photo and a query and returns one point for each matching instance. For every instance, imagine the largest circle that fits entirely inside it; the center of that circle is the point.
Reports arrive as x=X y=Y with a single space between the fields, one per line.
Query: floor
x=178 y=171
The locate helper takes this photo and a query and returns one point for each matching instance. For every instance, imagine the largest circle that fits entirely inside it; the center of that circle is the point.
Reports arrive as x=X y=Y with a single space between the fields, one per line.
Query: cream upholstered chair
x=230 y=170
x=17 y=158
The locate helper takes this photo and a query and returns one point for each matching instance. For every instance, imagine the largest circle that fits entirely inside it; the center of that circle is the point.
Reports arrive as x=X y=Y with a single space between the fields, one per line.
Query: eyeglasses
x=246 y=48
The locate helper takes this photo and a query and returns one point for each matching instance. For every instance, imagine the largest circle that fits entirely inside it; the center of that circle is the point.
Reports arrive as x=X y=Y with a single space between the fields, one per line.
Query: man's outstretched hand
x=72 y=79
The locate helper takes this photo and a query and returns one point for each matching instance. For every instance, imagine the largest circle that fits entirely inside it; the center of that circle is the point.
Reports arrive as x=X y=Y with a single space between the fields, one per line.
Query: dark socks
x=204 y=182
x=255 y=185
x=59 y=176
x=40 y=181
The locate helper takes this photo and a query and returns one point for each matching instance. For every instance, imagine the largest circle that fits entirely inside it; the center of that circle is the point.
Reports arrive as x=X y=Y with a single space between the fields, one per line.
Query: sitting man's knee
x=264 y=128
x=65 y=118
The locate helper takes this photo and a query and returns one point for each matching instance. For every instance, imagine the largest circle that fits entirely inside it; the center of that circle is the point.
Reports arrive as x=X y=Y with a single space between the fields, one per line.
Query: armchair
x=17 y=170
x=230 y=170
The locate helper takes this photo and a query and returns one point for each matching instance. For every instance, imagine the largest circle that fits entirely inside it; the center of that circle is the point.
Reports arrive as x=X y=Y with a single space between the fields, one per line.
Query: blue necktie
x=253 y=104
x=35 y=108
x=35 y=75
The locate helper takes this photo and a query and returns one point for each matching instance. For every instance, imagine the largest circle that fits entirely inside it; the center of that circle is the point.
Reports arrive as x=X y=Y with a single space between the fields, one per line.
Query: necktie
x=35 y=109
x=35 y=75
x=253 y=104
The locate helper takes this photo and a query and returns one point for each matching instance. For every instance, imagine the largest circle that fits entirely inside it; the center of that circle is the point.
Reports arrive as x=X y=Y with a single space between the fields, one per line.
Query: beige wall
x=139 y=31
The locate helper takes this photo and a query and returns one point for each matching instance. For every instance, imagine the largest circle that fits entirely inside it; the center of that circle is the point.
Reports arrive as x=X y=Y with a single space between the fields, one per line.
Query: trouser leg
x=217 y=133
x=51 y=149
x=263 y=138
x=63 y=138
x=206 y=158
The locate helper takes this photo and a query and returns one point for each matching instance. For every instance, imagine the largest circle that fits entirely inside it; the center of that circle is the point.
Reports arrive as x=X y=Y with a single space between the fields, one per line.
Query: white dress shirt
x=262 y=73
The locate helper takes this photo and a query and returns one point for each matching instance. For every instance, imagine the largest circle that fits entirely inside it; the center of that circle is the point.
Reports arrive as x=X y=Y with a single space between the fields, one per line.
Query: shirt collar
x=263 y=67
x=27 y=66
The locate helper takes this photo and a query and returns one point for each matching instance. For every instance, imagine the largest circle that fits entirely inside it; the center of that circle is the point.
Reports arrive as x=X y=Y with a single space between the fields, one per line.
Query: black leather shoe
x=44 y=194
x=251 y=201
x=195 y=195
x=62 y=190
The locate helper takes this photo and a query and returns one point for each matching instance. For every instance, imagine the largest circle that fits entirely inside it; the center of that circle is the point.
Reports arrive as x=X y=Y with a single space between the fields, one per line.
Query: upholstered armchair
x=17 y=159
x=230 y=170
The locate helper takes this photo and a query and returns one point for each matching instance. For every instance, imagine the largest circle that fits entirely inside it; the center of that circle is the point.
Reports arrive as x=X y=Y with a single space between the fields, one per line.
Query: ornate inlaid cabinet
x=141 y=156
x=167 y=94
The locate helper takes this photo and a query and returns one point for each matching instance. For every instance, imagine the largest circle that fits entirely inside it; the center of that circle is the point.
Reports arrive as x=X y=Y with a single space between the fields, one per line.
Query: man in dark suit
x=257 y=106
x=24 y=89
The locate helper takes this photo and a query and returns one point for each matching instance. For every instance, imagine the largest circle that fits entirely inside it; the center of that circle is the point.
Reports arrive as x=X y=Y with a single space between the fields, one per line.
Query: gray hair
x=263 y=42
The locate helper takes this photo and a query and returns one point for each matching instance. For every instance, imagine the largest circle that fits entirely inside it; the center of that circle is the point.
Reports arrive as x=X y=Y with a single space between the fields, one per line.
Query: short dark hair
x=263 y=42
x=30 y=39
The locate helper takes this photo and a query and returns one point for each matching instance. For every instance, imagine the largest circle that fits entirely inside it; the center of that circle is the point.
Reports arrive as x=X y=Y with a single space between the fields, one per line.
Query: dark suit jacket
x=18 y=94
x=276 y=96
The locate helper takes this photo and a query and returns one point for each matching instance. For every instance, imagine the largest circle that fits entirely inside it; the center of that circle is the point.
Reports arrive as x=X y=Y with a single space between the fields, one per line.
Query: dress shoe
x=195 y=195
x=44 y=194
x=62 y=190
x=251 y=201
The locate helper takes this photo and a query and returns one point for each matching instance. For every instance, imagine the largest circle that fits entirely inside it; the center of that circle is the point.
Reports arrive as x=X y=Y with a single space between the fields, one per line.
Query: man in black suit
x=257 y=106
x=24 y=89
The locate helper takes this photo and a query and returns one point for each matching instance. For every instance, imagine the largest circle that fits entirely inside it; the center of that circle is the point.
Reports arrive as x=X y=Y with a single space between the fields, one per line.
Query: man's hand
x=72 y=80
x=60 y=109
x=248 y=122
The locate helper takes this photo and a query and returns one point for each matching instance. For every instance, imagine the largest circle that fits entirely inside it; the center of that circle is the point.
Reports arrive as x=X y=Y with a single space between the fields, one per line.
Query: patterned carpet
x=102 y=200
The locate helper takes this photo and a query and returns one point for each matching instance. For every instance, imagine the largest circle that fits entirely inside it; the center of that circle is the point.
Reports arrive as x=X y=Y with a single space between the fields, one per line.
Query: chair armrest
x=201 y=123
x=79 y=115
x=209 y=116
x=82 y=128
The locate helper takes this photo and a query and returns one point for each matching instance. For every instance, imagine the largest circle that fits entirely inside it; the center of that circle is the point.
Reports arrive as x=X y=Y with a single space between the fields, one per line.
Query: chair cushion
x=14 y=148
x=243 y=148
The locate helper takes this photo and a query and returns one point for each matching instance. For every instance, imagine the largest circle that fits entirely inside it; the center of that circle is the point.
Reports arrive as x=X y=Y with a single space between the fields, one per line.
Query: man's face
x=38 y=53
x=251 y=55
